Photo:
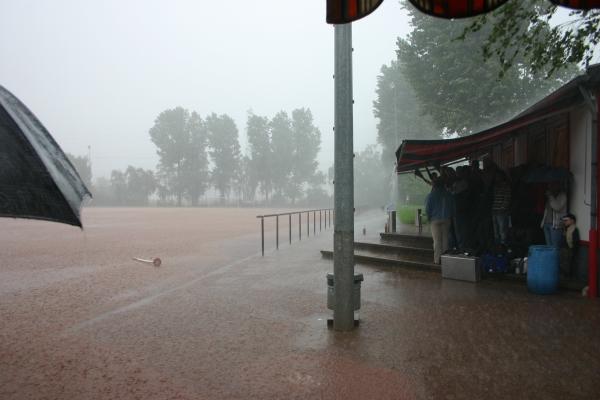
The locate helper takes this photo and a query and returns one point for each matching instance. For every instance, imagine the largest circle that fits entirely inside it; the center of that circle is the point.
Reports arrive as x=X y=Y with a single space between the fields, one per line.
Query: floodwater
x=80 y=320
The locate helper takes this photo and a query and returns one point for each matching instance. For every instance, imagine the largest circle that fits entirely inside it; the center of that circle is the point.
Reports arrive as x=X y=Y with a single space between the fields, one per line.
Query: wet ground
x=80 y=320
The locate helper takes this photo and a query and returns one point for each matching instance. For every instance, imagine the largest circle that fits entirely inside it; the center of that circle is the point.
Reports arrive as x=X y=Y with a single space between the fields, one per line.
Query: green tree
x=282 y=144
x=170 y=134
x=370 y=183
x=83 y=166
x=224 y=151
x=245 y=181
x=181 y=139
x=398 y=113
x=140 y=184
x=195 y=167
x=460 y=92
x=307 y=142
x=118 y=183
x=521 y=30
x=259 y=142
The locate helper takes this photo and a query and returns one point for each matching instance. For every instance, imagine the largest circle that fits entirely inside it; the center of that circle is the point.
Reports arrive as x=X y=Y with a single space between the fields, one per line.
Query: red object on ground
x=154 y=261
x=593 y=264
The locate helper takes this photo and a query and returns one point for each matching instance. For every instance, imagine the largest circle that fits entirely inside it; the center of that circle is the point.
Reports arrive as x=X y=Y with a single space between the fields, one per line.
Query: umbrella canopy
x=37 y=181
x=344 y=11
x=456 y=8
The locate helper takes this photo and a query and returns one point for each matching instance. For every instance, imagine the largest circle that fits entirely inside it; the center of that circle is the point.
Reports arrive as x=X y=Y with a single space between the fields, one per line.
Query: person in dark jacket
x=501 y=207
x=440 y=209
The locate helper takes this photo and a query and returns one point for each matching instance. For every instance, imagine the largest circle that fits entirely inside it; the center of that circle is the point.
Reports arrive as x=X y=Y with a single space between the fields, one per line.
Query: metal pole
x=314 y=223
x=320 y=220
x=595 y=200
x=262 y=234
x=277 y=232
x=343 y=237
x=308 y=224
x=299 y=226
x=290 y=227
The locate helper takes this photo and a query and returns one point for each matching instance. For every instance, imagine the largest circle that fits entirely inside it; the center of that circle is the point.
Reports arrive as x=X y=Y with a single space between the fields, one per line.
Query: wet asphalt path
x=80 y=320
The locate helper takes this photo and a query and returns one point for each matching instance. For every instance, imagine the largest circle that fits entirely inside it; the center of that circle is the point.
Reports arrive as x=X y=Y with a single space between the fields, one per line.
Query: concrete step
x=367 y=257
x=397 y=250
x=408 y=240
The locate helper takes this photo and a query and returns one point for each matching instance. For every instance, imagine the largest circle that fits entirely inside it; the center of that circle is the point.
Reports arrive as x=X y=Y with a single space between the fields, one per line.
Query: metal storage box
x=461 y=267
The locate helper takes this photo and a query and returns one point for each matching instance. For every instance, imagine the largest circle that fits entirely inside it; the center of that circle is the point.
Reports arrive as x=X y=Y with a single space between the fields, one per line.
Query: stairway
x=395 y=250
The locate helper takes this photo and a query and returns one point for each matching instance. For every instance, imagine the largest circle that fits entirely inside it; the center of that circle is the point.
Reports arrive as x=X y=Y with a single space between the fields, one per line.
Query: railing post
x=308 y=224
x=290 y=226
x=314 y=222
x=277 y=232
x=262 y=234
x=320 y=219
x=299 y=226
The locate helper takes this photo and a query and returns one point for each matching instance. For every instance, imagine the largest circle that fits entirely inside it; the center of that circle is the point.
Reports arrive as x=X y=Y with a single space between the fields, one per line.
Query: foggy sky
x=98 y=73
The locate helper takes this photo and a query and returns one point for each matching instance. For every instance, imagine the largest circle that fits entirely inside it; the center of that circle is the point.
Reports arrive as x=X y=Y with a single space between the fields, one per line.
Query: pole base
x=330 y=323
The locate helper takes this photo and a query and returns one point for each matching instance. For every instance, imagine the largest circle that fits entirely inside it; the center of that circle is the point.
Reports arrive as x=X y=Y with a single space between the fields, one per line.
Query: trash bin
x=543 y=269
x=358 y=278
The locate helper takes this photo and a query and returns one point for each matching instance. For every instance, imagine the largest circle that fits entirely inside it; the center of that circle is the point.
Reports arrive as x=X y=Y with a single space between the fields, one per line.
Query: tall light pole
x=396 y=178
x=343 y=236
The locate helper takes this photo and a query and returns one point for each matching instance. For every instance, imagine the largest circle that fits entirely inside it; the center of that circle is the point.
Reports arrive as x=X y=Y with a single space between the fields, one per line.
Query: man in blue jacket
x=440 y=209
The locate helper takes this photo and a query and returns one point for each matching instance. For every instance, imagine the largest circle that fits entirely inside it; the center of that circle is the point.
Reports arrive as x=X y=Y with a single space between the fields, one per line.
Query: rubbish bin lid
x=329 y=279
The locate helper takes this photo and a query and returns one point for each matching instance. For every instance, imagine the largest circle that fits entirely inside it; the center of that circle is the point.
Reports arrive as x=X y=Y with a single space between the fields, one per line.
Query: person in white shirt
x=556 y=208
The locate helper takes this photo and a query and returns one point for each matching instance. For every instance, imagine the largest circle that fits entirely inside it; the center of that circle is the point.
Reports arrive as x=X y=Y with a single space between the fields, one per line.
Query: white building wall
x=580 y=121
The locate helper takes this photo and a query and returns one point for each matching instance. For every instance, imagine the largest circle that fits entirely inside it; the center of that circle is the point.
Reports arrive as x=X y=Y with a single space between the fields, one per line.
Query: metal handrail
x=327 y=213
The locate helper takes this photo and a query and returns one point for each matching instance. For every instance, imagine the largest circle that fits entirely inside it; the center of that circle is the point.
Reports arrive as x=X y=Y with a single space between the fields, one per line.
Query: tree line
x=447 y=79
x=200 y=155
x=453 y=78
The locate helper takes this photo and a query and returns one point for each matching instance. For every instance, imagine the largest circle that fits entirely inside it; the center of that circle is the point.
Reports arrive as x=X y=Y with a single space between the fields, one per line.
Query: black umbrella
x=37 y=180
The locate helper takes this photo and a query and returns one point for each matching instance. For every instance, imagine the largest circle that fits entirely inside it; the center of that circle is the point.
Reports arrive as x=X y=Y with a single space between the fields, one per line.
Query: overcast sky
x=98 y=73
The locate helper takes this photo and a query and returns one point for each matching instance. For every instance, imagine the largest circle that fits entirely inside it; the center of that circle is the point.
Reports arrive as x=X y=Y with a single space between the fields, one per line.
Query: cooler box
x=461 y=267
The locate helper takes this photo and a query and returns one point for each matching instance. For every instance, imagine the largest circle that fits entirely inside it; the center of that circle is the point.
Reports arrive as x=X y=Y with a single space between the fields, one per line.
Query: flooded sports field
x=81 y=320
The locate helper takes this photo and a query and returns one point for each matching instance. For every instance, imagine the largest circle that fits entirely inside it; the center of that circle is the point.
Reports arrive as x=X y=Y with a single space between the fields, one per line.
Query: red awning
x=413 y=154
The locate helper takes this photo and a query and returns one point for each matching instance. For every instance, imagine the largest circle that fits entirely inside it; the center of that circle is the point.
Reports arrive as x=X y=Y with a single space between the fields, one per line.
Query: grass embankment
x=408 y=213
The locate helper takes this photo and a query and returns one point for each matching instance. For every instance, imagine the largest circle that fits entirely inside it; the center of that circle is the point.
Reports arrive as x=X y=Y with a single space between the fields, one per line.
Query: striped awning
x=414 y=154
x=344 y=11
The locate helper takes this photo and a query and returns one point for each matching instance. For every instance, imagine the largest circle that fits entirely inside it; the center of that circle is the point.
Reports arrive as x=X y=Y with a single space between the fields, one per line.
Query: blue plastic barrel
x=543 y=269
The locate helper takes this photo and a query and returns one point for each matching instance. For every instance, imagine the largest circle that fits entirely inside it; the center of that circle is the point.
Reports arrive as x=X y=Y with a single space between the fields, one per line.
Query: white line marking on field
x=149 y=299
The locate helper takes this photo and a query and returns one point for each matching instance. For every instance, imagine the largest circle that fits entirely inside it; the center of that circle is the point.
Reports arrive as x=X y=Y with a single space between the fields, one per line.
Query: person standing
x=460 y=191
x=501 y=207
x=571 y=243
x=440 y=209
x=555 y=209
